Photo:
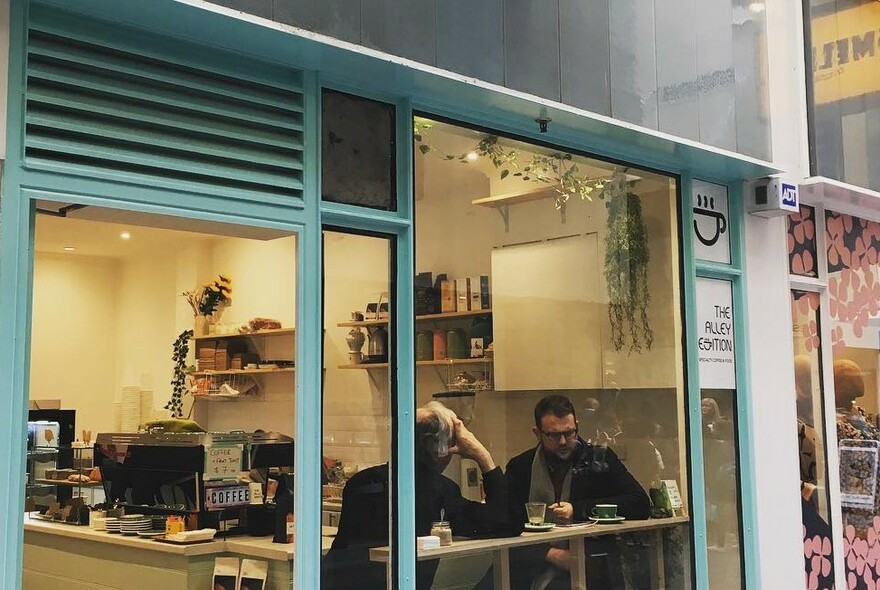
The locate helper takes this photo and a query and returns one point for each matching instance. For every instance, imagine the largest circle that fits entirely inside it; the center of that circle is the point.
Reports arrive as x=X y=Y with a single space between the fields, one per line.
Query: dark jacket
x=364 y=523
x=604 y=482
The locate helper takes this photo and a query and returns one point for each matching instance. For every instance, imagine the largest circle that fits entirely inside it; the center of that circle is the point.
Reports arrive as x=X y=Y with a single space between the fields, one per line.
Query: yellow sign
x=846 y=53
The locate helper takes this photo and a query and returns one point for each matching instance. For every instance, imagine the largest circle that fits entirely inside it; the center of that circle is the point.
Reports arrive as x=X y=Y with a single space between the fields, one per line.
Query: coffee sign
x=223 y=461
x=710 y=231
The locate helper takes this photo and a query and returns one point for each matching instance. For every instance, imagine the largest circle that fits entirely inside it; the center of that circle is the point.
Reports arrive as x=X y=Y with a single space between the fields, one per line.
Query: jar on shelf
x=443 y=531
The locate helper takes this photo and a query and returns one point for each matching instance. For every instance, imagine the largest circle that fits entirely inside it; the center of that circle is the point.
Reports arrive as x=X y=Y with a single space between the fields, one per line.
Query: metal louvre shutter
x=103 y=111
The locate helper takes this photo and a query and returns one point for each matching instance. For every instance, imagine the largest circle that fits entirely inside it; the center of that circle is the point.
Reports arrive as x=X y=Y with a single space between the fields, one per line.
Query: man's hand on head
x=467 y=446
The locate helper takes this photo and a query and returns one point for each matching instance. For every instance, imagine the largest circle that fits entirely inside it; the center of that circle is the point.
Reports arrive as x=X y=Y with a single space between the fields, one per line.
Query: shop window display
x=818 y=558
x=171 y=352
x=854 y=298
x=548 y=319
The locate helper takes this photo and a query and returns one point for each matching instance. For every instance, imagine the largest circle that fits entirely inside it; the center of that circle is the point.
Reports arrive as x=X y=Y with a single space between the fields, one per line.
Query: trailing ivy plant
x=626 y=272
x=178 y=380
x=626 y=241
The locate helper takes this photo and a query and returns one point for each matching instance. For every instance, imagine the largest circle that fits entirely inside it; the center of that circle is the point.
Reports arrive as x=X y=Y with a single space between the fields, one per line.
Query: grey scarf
x=541 y=489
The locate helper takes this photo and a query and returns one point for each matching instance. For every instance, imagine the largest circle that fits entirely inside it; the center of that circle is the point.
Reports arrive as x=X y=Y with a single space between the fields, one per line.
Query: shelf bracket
x=504 y=212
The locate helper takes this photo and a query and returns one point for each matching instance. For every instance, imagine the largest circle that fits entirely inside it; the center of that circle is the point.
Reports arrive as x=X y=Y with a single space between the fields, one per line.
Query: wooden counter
x=78 y=558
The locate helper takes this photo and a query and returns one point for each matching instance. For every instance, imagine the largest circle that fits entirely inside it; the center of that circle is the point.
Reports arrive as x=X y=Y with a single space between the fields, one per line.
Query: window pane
x=357 y=151
x=852 y=284
x=179 y=410
x=357 y=409
x=719 y=424
x=811 y=436
x=530 y=288
x=802 y=242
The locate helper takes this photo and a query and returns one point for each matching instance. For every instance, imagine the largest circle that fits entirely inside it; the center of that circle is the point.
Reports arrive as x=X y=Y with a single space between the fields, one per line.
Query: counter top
x=88 y=534
x=262 y=547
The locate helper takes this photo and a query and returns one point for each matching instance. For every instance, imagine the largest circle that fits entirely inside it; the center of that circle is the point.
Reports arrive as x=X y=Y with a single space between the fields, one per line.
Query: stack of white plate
x=99 y=523
x=133 y=524
x=112 y=525
x=146 y=405
x=131 y=409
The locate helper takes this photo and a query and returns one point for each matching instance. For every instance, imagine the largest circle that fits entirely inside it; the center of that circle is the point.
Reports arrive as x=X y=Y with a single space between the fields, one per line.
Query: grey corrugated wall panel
x=531 y=48
x=678 y=102
x=752 y=118
x=633 y=62
x=715 y=73
x=340 y=19
x=470 y=38
x=585 y=55
x=404 y=28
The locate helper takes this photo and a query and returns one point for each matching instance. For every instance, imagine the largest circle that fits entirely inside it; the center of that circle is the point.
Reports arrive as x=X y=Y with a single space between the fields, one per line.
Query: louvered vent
x=104 y=112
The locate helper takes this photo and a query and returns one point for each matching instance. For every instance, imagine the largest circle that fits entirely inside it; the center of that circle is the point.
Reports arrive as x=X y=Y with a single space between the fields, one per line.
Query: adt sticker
x=790 y=195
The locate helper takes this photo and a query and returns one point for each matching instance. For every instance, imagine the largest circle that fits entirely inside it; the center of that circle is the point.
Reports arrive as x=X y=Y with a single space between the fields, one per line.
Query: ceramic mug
x=605 y=511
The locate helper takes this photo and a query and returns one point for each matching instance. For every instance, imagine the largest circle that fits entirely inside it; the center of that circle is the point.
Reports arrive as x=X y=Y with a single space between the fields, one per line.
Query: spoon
x=442 y=514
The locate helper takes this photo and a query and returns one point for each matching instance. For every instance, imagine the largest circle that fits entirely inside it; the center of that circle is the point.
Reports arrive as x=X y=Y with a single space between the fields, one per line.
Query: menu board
x=223 y=461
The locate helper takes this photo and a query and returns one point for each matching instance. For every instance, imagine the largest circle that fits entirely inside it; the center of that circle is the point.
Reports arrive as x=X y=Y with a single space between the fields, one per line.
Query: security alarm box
x=772 y=197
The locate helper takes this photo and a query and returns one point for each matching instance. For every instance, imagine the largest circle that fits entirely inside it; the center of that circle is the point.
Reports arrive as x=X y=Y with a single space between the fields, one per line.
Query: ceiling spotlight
x=472 y=156
x=125 y=235
x=757 y=7
x=69 y=249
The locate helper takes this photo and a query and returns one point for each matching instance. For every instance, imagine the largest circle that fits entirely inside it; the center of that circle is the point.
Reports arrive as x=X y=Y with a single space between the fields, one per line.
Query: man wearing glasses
x=571 y=476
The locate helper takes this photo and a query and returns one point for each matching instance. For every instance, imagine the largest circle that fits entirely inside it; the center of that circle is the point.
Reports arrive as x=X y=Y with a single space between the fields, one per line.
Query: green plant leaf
x=424 y=148
x=504 y=174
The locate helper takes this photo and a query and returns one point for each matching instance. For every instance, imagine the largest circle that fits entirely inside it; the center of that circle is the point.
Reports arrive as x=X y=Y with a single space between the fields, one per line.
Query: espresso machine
x=208 y=478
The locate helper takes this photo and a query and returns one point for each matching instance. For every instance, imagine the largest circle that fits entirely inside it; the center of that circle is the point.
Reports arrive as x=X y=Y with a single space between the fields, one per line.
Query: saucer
x=539 y=528
x=607 y=520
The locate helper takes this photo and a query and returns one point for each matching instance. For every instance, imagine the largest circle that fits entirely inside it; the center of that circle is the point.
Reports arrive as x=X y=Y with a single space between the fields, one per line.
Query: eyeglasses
x=566 y=434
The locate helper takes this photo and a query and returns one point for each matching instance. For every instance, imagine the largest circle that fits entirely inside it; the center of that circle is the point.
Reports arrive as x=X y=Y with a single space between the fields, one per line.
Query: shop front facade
x=364 y=219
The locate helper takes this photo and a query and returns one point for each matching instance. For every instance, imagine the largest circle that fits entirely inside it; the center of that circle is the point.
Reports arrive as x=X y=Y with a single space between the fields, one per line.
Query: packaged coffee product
x=253 y=574
x=226 y=573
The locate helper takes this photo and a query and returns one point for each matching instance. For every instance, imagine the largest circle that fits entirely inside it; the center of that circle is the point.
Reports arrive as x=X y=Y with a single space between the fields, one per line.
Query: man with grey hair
x=364 y=521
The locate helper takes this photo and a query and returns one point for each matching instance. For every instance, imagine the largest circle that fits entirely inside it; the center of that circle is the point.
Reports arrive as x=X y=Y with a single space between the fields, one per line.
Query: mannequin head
x=848 y=383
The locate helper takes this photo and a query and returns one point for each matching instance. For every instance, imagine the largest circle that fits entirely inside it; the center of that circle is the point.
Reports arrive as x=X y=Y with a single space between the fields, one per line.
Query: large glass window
x=845 y=109
x=548 y=320
x=811 y=438
x=162 y=398
x=358 y=468
x=852 y=250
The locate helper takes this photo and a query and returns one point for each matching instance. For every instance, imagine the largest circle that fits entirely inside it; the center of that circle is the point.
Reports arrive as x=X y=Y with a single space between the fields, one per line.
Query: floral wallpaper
x=853 y=245
x=802 y=242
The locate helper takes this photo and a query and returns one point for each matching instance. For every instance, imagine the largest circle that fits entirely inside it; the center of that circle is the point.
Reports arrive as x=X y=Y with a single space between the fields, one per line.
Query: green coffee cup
x=605 y=511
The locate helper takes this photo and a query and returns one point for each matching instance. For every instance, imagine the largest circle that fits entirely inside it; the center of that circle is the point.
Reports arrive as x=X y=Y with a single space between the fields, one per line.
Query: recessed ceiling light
x=472 y=156
x=757 y=7
x=125 y=235
x=69 y=249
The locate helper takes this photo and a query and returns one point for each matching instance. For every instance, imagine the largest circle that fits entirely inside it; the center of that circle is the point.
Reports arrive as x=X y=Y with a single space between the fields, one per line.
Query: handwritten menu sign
x=223 y=461
x=671 y=488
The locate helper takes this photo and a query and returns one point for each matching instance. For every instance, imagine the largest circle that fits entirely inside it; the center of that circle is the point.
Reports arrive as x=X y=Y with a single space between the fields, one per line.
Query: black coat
x=364 y=523
x=591 y=484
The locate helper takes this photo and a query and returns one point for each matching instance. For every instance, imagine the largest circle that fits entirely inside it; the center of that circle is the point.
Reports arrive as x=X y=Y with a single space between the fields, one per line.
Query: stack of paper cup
x=117 y=416
x=147 y=410
x=131 y=409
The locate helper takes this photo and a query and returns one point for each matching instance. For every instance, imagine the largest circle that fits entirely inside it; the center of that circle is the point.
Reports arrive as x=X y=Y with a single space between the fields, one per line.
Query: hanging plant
x=626 y=272
x=626 y=241
x=178 y=381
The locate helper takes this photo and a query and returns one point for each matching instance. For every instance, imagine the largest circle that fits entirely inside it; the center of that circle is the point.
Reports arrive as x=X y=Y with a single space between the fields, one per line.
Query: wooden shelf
x=244 y=372
x=477 y=361
x=64 y=482
x=452 y=315
x=545 y=192
x=257 y=334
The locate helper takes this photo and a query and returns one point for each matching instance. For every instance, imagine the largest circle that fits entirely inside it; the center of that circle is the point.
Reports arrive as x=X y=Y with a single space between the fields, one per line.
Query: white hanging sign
x=715 y=336
x=223 y=461
x=711 y=231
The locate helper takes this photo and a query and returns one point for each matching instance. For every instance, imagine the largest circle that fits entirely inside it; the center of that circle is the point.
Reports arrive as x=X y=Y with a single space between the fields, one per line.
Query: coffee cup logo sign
x=711 y=238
